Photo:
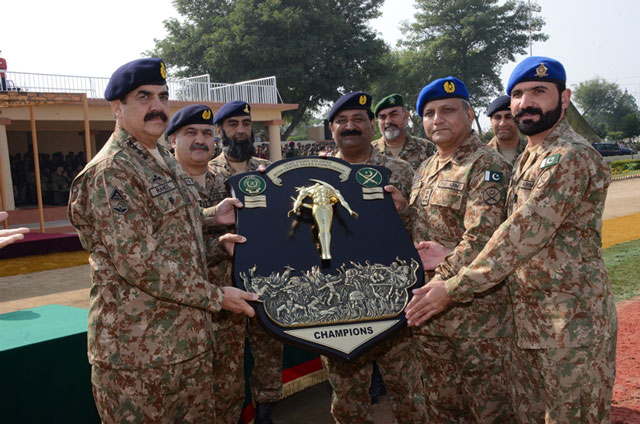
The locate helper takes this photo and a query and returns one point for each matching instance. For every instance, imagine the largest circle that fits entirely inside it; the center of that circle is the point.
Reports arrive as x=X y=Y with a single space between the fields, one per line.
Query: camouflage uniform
x=396 y=356
x=565 y=316
x=464 y=351
x=150 y=299
x=266 y=376
x=415 y=150
x=228 y=328
x=522 y=144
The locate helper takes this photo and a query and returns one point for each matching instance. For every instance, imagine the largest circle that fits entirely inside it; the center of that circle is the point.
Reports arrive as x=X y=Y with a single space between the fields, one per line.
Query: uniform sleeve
x=156 y=260
x=556 y=192
x=484 y=212
x=401 y=178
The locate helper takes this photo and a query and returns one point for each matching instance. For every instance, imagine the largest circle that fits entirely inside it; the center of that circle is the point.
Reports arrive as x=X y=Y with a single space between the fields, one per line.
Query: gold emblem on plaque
x=323 y=196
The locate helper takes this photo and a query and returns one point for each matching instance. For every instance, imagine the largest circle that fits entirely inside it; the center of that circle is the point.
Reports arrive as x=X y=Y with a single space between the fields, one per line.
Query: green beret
x=392 y=100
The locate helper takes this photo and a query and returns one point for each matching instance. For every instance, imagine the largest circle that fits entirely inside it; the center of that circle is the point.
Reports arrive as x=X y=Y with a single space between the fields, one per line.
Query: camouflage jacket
x=150 y=298
x=215 y=191
x=551 y=243
x=415 y=150
x=459 y=204
x=522 y=144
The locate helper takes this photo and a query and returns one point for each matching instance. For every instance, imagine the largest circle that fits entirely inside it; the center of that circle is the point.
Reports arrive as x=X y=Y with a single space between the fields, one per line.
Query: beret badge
x=541 y=71
x=163 y=70
x=362 y=100
x=206 y=114
x=449 y=87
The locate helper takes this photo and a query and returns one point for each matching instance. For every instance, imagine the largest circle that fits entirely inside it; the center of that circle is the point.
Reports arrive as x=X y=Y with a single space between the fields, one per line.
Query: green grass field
x=623 y=264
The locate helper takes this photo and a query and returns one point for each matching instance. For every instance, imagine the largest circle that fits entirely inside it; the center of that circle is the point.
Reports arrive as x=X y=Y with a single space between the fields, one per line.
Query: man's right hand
x=235 y=300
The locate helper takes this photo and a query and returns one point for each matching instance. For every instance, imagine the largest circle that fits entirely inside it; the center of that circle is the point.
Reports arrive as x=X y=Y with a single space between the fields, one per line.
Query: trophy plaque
x=326 y=252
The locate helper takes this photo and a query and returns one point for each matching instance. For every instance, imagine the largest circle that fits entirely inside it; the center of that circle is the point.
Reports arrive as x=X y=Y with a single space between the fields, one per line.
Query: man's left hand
x=224 y=212
x=228 y=242
x=396 y=196
x=427 y=302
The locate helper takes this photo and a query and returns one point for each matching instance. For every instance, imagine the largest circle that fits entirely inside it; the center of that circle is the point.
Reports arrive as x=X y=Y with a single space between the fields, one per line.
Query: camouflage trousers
x=266 y=375
x=466 y=380
x=566 y=386
x=178 y=393
x=399 y=366
x=228 y=368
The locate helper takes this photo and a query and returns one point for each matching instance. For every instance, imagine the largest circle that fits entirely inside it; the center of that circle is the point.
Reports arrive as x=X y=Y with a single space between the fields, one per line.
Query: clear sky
x=82 y=37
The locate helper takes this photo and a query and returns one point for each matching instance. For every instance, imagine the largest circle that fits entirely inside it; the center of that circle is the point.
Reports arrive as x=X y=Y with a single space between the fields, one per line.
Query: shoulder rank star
x=541 y=71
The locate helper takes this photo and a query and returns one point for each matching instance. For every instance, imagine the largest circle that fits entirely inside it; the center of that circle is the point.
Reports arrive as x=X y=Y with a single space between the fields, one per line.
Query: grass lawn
x=623 y=263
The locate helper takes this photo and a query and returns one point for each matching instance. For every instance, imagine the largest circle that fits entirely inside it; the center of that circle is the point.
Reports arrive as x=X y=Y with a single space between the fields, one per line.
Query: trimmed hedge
x=623 y=166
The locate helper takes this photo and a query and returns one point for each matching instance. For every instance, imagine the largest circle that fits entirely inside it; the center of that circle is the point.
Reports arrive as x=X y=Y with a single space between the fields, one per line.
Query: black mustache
x=347 y=133
x=198 y=146
x=531 y=110
x=152 y=115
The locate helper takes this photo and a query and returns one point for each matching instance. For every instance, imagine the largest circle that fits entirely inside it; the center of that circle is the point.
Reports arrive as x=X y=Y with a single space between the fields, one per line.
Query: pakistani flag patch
x=551 y=160
x=493 y=176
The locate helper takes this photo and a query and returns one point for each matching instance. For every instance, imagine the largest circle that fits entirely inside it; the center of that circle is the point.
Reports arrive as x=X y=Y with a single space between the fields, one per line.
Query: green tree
x=317 y=49
x=471 y=40
x=610 y=111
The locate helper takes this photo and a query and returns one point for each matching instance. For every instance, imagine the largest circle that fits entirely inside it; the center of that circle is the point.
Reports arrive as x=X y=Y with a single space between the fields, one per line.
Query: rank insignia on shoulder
x=493 y=176
x=551 y=160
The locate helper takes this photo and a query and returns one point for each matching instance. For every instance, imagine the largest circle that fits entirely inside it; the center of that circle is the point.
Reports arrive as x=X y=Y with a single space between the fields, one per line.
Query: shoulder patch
x=118 y=202
x=491 y=196
x=116 y=195
x=493 y=176
x=550 y=160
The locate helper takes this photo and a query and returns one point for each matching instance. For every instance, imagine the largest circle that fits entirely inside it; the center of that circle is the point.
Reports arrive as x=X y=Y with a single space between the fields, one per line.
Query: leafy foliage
x=611 y=112
x=317 y=49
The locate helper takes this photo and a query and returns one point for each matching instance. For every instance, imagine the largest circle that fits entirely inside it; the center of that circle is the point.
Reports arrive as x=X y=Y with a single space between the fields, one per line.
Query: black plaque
x=339 y=306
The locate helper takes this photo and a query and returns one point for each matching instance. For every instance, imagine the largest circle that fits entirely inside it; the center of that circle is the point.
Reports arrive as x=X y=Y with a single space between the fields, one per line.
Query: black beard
x=547 y=120
x=240 y=150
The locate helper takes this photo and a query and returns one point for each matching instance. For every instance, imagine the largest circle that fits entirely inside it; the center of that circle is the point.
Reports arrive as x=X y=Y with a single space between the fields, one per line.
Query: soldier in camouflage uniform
x=191 y=134
x=136 y=212
x=457 y=202
x=507 y=140
x=351 y=122
x=233 y=122
x=396 y=142
x=563 y=367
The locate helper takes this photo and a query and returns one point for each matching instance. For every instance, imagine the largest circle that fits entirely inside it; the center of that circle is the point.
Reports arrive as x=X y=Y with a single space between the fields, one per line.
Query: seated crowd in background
x=56 y=173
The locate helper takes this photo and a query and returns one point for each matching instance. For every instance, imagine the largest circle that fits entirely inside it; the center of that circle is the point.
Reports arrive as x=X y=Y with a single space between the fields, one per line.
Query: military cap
x=392 y=100
x=501 y=103
x=354 y=100
x=128 y=77
x=442 y=88
x=234 y=108
x=537 y=68
x=192 y=114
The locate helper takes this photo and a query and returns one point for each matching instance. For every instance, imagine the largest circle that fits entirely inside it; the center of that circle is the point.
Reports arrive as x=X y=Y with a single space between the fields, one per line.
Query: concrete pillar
x=275 y=144
x=5 y=165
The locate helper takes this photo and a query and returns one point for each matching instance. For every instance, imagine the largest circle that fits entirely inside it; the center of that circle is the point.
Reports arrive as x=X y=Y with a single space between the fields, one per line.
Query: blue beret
x=354 y=100
x=501 y=103
x=192 y=114
x=537 y=68
x=132 y=75
x=443 y=88
x=234 y=108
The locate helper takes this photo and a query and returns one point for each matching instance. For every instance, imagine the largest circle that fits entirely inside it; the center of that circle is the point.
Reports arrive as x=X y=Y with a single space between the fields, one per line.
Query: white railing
x=193 y=89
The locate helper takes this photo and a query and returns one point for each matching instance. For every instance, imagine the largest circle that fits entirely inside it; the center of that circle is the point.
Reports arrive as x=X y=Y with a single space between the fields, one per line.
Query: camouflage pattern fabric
x=415 y=150
x=228 y=328
x=459 y=203
x=177 y=393
x=466 y=380
x=572 y=385
x=266 y=376
x=150 y=298
x=522 y=144
x=402 y=374
x=550 y=244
